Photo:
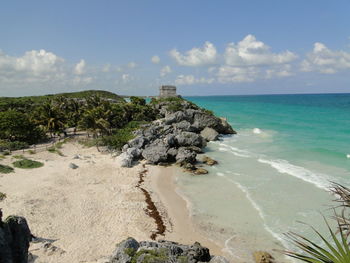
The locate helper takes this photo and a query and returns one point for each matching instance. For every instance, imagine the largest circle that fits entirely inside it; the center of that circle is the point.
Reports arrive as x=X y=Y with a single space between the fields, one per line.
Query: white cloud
x=250 y=52
x=324 y=60
x=82 y=80
x=132 y=65
x=228 y=74
x=196 y=56
x=106 y=68
x=190 y=80
x=126 y=78
x=165 y=70
x=279 y=72
x=33 y=62
x=80 y=67
x=155 y=59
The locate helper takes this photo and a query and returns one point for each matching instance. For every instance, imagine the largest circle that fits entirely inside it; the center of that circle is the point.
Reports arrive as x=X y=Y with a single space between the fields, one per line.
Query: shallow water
x=275 y=172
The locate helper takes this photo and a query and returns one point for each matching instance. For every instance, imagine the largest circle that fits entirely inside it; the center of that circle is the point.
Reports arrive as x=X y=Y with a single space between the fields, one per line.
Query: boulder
x=138 y=142
x=190 y=139
x=155 y=153
x=207 y=160
x=14 y=239
x=263 y=257
x=134 y=152
x=199 y=253
x=199 y=171
x=125 y=159
x=209 y=134
x=195 y=149
x=184 y=126
x=73 y=166
x=125 y=251
x=185 y=155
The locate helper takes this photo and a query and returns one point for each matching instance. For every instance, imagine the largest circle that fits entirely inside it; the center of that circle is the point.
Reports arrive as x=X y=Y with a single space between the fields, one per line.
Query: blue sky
x=202 y=47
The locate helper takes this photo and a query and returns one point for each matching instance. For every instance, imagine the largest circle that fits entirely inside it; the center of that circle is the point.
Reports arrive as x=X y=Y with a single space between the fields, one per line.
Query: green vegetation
x=31 y=152
x=150 y=256
x=27 y=164
x=337 y=248
x=2 y=196
x=5 y=169
x=18 y=156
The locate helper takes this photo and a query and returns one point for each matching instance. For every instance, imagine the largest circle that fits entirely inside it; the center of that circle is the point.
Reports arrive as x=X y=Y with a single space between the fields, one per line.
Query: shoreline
x=175 y=209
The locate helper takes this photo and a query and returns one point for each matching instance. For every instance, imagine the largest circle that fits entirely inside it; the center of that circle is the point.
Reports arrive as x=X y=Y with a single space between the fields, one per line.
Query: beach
x=79 y=215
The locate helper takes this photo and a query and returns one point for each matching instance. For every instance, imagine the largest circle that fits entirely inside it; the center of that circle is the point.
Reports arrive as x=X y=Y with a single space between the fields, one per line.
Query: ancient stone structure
x=167 y=91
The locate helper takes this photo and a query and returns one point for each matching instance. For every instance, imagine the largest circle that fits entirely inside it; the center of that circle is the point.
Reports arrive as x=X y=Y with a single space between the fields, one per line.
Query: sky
x=131 y=47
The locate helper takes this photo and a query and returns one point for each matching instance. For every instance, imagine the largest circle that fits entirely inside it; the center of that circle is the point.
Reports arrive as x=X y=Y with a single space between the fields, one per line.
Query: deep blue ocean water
x=275 y=171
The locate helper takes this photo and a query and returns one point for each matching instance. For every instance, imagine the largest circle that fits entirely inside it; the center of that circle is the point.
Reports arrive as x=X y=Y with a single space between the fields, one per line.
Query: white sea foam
x=317 y=179
x=348 y=156
x=256 y=131
x=220 y=174
x=260 y=212
x=222 y=149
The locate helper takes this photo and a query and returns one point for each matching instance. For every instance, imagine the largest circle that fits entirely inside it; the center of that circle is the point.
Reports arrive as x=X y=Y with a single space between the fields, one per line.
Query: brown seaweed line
x=151 y=210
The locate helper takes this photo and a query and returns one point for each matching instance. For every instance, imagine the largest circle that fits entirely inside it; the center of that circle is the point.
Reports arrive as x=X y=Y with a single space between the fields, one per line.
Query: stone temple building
x=167 y=91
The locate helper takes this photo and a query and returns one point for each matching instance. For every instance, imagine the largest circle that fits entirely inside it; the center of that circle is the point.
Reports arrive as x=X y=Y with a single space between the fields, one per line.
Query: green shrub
x=12 y=146
x=27 y=164
x=5 y=169
x=18 y=156
x=2 y=196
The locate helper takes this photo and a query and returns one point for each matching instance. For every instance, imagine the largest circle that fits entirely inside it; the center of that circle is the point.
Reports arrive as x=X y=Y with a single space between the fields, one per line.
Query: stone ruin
x=166 y=91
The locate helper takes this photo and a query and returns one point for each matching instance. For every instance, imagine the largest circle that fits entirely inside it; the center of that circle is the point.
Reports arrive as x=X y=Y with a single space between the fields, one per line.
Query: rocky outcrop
x=175 y=137
x=209 y=161
x=14 y=239
x=162 y=251
x=263 y=257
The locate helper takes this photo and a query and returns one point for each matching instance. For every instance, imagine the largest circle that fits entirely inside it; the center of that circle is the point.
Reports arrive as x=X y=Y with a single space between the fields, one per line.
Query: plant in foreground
x=27 y=164
x=337 y=248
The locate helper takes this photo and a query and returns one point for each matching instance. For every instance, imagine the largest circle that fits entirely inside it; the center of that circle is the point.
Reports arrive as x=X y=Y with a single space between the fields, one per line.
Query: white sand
x=85 y=211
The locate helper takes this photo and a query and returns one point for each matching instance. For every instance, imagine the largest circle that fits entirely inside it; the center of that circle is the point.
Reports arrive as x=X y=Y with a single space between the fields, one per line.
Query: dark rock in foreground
x=14 y=239
x=130 y=250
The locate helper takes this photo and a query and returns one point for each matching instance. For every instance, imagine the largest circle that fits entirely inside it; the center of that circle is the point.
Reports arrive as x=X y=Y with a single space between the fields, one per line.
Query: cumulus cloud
x=33 y=62
x=251 y=52
x=324 y=60
x=155 y=59
x=126 y=78
x=196 y=56
x=82 y=80
x=190 y=80
x=227 y=74
x=79 y=68
x=279 y=72
x=106 y=68
x=132 y=65
x=165 y=70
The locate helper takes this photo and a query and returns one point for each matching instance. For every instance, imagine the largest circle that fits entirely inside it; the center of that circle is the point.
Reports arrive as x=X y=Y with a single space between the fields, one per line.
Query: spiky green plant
x=337 y=248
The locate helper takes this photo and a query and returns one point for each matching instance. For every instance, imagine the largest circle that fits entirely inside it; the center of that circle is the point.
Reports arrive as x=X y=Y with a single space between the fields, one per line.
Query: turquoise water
x=274 y=172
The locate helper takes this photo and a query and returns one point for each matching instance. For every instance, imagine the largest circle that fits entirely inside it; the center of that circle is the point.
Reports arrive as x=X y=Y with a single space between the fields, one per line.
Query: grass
x=27 y=164
x=54 y=149
x=2 y=196
x=18 y=156
x=2 y=156
x=31 y=152
x=5 y=169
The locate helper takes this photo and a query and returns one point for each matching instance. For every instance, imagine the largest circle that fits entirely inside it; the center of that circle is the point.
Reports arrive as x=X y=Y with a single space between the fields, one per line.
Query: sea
x=274 y=175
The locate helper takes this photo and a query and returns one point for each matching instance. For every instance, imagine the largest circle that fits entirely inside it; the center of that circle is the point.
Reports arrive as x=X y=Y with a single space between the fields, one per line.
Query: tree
x=16 y=126
x=138 y=100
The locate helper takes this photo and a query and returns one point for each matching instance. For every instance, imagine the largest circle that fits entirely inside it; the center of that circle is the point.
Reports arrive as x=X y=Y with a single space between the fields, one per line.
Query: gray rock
x=138 y=142
x=185 y=155
x=73 y=166
x=124 y=251
x=135 y=153
x=190 y=139
x=125 y=160
x=172 y=152
x=170 y=140
x=209 y=134
x=76 y=156
x=218 y=259
x=156 y=152
x=14 y=239
x=183 y=126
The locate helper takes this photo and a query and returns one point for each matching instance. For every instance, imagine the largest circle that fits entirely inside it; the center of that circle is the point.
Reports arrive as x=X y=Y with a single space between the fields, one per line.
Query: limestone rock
x=200 y=171
x=185 y=155
x=156 y=153
x=263 y=257
x=125 y=159
x=190 y=139
x=207 y=160
x=73 y=166
x=124 y=251
x=209 y=134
